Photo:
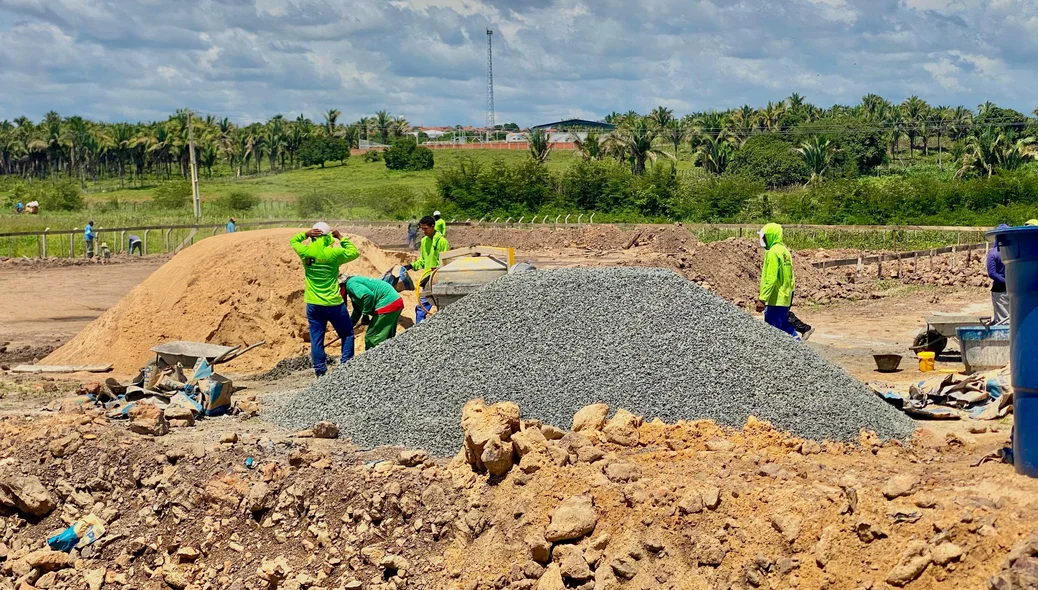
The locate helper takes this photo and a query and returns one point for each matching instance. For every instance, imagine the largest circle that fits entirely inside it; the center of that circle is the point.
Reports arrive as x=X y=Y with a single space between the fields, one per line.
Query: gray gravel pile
x=286 y=367
x=554 y=341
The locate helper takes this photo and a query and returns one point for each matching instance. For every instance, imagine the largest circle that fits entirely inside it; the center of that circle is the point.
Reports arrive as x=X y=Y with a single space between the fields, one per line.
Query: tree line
x=78 y=148
x=979 y=142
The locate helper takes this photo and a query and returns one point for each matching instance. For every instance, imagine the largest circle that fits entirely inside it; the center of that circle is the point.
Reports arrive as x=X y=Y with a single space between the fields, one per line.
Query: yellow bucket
x=926 y=361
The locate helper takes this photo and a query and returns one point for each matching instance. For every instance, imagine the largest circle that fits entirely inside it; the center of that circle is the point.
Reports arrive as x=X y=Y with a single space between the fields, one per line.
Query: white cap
x=323 y=227
x=436 y=213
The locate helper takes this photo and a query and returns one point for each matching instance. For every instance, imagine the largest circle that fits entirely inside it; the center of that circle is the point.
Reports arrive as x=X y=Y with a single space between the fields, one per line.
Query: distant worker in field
x=230 y=226
x=88 y=237
x=374 y=299
x=321 y=260
x=776 y=280
x=412 y=233
x=441 y=225
x=19 y=207
x=997 y=274
x=106 y=254
x=136 y=244
x=428 y=259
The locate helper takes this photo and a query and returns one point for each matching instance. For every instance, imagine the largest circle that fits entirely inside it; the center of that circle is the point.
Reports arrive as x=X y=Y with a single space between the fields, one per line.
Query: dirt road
x=45 y=305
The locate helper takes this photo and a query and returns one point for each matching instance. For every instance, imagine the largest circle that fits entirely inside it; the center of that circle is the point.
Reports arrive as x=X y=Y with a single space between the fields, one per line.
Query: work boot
x=807 y=334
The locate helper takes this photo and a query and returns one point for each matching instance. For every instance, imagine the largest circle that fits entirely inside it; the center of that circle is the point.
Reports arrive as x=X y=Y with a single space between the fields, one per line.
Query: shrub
x=372 y=156
x=315 y=204
x=240 y=201
x=319 y=149
x=769 y=159
x=392 y=201
x=172 y=195
x=716 y=198
x=406 y=154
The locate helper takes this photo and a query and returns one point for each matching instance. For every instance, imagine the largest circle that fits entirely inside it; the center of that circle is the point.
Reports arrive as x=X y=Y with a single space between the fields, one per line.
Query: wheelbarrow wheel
x=930 y=341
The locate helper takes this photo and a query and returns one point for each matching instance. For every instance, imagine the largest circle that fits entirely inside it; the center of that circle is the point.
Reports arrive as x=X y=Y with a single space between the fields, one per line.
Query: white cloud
x=425 y=59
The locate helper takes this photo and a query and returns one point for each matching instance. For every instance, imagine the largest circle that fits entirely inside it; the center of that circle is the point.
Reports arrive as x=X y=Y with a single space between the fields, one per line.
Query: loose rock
x=573 y=519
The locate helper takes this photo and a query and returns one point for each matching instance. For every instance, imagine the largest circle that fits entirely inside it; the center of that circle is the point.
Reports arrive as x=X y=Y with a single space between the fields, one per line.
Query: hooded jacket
x=321 y=261
x=776 y=277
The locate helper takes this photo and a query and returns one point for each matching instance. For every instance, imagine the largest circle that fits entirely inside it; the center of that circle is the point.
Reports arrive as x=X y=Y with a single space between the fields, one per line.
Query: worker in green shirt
x=428 y=259
x=321 y=261
x=376 y=299
x=776 y=280
x=440 y=225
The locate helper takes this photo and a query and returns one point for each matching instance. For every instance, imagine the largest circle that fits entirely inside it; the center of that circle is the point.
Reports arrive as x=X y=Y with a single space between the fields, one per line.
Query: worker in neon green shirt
x=321 y=261
x=776 y=280
x=375 y=299
x=429 y=258
x=440 y=225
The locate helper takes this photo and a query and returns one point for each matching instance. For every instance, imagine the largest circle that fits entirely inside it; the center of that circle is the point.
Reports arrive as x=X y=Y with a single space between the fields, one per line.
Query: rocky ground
x=596 y=504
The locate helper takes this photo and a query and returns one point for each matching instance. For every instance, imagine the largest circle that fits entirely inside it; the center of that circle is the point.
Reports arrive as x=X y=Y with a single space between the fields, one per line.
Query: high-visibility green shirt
x=441 y=227
x=321 y=261
x=429 y=253
x=368 y=295
x=776 y=277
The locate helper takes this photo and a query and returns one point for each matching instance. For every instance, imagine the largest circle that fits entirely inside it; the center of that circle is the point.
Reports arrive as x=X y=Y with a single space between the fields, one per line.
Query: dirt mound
x=595 y=237
x=229 y=289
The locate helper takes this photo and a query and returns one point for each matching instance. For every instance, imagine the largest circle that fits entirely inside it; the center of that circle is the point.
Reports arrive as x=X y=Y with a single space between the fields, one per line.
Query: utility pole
x=490 y=85
x=194 y=171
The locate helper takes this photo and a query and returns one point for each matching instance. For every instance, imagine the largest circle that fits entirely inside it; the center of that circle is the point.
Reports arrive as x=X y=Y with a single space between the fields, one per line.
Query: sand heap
x=230 y=289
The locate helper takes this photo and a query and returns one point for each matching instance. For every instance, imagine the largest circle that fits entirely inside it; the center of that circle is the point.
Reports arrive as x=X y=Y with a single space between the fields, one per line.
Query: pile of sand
x=230 y=289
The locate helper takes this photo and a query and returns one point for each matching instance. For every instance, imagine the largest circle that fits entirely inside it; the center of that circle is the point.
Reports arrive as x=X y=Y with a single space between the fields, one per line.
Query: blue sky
x=426 y=59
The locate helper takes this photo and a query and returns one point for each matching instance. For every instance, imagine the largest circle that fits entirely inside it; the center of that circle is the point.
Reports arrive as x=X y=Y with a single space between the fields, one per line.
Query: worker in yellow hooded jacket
x=776 y=280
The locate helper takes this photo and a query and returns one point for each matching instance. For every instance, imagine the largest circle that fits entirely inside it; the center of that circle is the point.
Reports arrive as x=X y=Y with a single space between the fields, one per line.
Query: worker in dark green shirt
x=376 y=299
x=321 y=260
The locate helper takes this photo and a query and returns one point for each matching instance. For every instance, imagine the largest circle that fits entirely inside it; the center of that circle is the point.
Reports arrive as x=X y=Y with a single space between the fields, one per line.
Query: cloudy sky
x=426 y=59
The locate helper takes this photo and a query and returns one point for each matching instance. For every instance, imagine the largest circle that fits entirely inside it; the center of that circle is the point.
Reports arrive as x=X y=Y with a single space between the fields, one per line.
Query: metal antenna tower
x=490 y=84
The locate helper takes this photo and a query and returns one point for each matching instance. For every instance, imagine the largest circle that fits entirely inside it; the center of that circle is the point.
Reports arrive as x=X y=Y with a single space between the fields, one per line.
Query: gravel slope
x=554 y=341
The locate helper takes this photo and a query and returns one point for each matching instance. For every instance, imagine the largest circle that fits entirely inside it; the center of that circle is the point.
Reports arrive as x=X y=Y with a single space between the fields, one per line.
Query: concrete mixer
x=466 y=270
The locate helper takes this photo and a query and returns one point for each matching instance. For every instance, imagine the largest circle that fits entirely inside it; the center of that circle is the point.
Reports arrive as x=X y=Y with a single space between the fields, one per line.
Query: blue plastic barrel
x=1019 y=248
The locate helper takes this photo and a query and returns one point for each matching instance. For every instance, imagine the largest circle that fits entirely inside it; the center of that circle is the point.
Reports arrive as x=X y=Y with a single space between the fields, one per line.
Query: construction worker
x=428 y=259
x=441 y=225
x=321 y=260
x=88 y=237
x=412 y=233
x=374 y=299
x=136 y=244
x=19 y=207
x=230 y=226
x=997 y=273
x=776 y=280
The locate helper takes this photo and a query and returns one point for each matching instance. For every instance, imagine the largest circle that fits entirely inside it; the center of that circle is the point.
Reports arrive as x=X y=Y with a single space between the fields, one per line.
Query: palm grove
x=874 y=162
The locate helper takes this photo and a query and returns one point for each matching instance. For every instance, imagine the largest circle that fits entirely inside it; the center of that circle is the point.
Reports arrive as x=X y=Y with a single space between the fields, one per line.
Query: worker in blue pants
x=433 y=243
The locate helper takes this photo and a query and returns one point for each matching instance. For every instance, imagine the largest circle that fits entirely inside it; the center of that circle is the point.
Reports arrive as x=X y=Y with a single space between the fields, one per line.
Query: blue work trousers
x=779 y=317
x=318 y=316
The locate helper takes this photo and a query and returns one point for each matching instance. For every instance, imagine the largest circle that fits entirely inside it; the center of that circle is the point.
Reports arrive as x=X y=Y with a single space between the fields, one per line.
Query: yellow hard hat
x=1032 y=222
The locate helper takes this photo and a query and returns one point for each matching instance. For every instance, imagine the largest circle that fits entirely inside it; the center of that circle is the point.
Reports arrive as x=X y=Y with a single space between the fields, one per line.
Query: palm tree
x=675 y=133
x=383 y=120
x=714 y=154
x=274 y=138
x=771 y=115
x=961 y=123
x=914 y=110
x=661 y=116
x=744 y=121
x=796 y=103
x=874 y=106
x=351 y=133
x=330 y=119
x=818 y=155
x=636 y=140
x=895 y=125
x=991 y=150
x=540 y=146
x=590 y=148
x=399 y=127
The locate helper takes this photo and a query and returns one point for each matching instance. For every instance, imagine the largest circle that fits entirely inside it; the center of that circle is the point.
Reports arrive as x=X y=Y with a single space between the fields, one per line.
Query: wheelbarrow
x=941 y=327
x=187 y=353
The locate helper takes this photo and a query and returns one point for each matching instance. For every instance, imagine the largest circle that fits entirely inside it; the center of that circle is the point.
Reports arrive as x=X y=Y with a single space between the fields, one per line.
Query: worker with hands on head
x=376 y=299
x=428 y=259
x=440 y=225
x=776 y=279
x=321 y=260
